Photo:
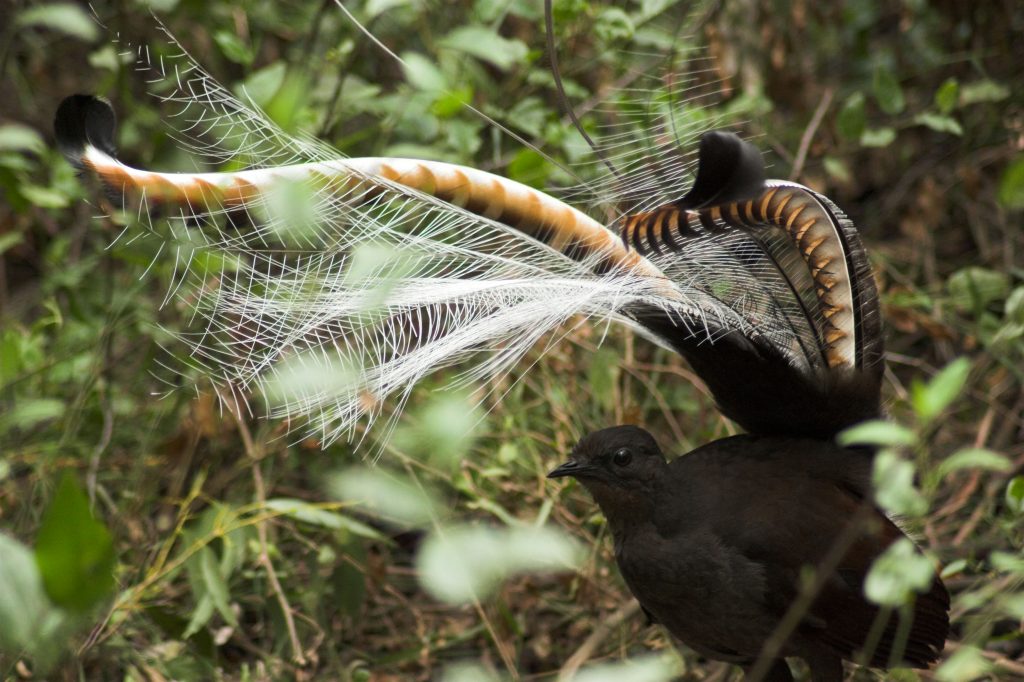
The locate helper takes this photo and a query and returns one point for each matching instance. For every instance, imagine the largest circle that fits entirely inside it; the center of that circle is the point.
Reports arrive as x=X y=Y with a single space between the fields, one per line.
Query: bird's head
x=620 y=466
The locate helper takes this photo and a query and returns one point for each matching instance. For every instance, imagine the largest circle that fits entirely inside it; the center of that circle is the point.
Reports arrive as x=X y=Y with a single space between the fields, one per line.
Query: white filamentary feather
x=344 y=292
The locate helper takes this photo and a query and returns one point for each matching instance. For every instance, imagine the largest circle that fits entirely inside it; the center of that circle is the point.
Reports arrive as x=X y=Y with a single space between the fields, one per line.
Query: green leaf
x=44 y=197
x=1011 y=186
x=74 y=551
x=386 y=495
x=837 y=169
x=612 y=24
x=261 y=86
x=648 y=668
x=983 y=91
x=308 y=513
x=974 y=458
x=1007 y=562
x=930 y=399
x=888 y=92
x=23 y=603
x=877 y=137
x=423 y=74
x=972 y=289
x=442 y=431
x=1013 y=310
x=28 y=413
x=234 y=48
x=893 y=479
x=20 y=138
x=30 y=626
x=877 y=432
x=946 y=96
x=939 y=123
x=897 y=574
x=216 y=586
x=852 y=119
x=1015 y=495
x=461 y=564
x=966 y=664
x=486 y=45
x=63 y=17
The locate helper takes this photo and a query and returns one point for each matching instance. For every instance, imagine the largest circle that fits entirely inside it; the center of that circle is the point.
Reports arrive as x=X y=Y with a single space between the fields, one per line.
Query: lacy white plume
x=338 y=293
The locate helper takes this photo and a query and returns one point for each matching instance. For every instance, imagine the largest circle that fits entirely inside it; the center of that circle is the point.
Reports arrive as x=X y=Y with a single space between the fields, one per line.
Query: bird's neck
x=624 y=509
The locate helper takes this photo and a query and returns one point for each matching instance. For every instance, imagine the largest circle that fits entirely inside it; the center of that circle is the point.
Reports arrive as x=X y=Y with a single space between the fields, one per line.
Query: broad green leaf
x=30 y=626
x=442 y=431
x=486 y=45
x=44 y=197
x=983 y=91
x=423 y=74
x=974 y=458
x=965 y=665
x=946 y=96
x=20 y=138
x=23 y=603
x=877 y=137
x=932 y=398
x=74 y=551
x=897 y=574
x=973 y=288
x=385 y=495
x=1011 y=186
x=312 y=376
x=877 y=432
x=64 y=17
x=1007 y=562
x=888 y=92
x=308 y=513
x=261 y=86
x=460 y=564
x=234 y=48
x=939 y=123
x=893 y=479
x=28 y=413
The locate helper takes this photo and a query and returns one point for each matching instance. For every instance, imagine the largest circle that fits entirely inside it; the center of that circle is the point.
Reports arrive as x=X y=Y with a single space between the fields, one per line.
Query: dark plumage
x=714 y=544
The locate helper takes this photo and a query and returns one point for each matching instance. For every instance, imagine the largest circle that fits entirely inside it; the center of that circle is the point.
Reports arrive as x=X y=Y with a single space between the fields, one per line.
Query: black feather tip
x=728 y=170
x=84 y=120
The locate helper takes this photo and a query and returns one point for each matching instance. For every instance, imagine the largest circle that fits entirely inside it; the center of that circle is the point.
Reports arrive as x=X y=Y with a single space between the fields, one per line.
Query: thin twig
x=808 y=136
x=261 y=532
x=604 y=628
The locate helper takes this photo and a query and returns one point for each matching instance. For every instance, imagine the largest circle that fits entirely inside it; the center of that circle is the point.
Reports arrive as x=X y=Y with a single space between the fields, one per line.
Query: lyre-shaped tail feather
x=459 y=261
x=475 y=261
x=812 y=265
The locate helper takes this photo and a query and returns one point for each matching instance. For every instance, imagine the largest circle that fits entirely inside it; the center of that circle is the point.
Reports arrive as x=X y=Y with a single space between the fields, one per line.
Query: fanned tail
x=806 y=255
x=376 y=271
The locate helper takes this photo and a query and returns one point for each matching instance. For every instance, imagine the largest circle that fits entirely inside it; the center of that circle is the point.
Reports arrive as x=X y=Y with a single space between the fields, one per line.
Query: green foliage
x=74 y=551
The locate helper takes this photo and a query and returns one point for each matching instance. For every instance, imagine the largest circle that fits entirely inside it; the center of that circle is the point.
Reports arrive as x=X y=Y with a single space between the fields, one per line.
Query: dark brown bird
x=714 y=546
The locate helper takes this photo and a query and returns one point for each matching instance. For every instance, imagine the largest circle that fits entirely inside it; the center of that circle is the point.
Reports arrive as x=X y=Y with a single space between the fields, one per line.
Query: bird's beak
x=568 y=468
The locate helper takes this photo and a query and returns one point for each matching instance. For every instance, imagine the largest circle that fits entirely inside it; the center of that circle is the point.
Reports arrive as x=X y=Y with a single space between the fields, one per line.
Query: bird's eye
x=622 y=457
